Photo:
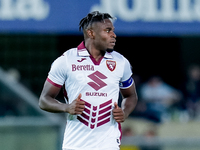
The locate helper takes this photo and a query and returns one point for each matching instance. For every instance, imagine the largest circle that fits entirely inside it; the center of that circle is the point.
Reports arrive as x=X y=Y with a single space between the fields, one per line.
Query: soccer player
x=92 y=75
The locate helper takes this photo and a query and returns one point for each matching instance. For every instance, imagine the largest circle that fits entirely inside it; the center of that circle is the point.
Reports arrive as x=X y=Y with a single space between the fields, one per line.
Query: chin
x=109 y=50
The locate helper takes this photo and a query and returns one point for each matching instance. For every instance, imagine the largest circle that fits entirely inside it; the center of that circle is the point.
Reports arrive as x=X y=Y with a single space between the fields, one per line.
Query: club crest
x=111 y=65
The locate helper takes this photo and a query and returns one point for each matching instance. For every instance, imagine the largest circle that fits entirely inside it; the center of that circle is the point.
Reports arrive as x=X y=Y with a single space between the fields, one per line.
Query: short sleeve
x=127 y=70
x=126 y=80
x=58 y=72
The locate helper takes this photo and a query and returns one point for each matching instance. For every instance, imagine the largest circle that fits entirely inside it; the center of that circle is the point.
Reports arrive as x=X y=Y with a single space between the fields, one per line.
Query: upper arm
x=49 y=90
x=47 y=99
x=130 y=99
x=56 y=78
x=128 y=92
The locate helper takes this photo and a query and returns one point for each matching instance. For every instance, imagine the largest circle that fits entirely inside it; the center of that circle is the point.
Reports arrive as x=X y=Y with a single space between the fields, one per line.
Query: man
x=91 y=74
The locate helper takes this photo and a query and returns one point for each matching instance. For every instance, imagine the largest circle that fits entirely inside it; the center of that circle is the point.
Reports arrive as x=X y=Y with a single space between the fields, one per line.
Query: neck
x=96 y=54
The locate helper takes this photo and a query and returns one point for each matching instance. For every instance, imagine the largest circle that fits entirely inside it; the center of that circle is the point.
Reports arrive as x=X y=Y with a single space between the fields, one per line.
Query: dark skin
x=99 y=37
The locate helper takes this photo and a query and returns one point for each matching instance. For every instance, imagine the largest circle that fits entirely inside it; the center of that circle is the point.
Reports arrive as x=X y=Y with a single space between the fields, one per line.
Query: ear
x=90 y=33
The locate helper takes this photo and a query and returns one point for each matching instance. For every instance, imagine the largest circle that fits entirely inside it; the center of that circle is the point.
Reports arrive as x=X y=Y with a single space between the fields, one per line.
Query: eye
x=107 y=31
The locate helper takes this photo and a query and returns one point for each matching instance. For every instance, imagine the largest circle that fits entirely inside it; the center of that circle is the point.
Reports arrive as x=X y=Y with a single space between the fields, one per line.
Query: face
x=104 y=36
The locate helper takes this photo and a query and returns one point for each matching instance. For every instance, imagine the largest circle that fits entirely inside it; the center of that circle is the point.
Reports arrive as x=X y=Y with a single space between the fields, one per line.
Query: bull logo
x=111 y=65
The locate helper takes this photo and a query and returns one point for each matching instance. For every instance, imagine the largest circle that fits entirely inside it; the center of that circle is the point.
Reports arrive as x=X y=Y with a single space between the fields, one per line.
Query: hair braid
x=94 y=16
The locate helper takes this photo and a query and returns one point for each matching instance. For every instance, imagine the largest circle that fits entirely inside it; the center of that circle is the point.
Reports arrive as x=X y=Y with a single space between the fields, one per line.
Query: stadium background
x=33 y=34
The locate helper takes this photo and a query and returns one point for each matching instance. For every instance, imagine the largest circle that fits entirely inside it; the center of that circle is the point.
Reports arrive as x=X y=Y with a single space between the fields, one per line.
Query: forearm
x=128 y=105
x=52 y=105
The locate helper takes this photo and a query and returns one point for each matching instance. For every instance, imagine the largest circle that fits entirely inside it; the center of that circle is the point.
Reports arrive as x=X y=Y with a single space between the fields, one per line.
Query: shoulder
x=118 y=56
x=70 y=52
x=65 y=57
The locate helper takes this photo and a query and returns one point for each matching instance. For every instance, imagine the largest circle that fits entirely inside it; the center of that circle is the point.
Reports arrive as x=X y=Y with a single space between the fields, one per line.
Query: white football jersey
x=99 y=83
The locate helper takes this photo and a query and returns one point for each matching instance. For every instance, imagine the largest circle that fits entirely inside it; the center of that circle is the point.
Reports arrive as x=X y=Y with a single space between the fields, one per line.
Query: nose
x=114 y=35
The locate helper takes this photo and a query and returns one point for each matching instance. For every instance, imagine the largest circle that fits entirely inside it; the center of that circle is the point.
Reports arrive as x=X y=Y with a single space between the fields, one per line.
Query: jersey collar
x=82 y=51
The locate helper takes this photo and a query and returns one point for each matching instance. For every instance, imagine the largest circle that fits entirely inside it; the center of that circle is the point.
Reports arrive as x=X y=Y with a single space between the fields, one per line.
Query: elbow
x=136 y=99
x=133 y=101
x=41 y=104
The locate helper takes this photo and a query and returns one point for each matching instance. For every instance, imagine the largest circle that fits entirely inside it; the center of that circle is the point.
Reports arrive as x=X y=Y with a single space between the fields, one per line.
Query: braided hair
x=94 y=16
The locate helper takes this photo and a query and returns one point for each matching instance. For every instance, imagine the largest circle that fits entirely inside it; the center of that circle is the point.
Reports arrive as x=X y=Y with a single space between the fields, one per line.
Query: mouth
x=113 y=42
